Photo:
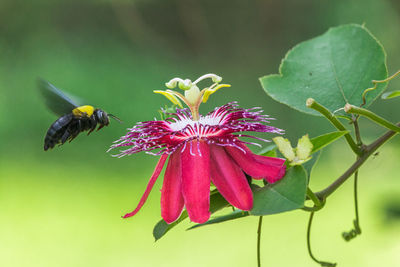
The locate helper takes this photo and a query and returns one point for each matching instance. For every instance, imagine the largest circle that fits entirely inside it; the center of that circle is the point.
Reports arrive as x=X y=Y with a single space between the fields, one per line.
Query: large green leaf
x=334 y=69
x=217 y=202
x=284 y=195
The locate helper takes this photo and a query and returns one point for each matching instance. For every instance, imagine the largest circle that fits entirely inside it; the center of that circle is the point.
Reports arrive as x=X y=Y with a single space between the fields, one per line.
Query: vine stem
x=359 y=143
x=314 y=198
x=372 y=116
x=322 y=263
x=259 y=241
x=318 y=203
x=368 y=151
x=311 y=103
x=308 y=237
x=356 y=222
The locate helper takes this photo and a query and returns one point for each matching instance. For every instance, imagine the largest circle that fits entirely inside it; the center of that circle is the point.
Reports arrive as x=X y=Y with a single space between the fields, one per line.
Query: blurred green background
x=63 y=207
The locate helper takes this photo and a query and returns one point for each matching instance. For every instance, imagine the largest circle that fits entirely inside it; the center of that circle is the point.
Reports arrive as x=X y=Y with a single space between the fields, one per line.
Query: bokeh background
x=63 y=207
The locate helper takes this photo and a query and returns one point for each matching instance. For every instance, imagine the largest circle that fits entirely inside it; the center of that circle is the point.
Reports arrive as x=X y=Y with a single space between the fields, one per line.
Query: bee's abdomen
x=56 y=131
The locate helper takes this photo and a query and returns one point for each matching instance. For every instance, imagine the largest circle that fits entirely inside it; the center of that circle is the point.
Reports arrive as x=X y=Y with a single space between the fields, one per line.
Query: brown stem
x=368 y=151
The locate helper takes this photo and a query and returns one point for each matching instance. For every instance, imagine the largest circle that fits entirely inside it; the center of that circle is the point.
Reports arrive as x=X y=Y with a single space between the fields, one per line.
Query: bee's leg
x=101 y=126
x=72 y=137
x=65 y=137
x=93 y=125
x=74 y=130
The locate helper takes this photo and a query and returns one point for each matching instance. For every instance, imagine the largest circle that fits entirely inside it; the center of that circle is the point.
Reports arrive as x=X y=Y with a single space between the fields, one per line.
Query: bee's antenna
x=115 y=118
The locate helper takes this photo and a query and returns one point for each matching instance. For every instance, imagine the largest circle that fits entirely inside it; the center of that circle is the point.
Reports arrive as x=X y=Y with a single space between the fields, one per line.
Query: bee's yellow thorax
x=83 y=111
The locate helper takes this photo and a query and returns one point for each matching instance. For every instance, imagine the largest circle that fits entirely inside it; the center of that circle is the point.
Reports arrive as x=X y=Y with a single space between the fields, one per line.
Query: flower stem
x=311 y=103
x=322 y=263
x=368 y=151
x=372 y=116
x=259 y=241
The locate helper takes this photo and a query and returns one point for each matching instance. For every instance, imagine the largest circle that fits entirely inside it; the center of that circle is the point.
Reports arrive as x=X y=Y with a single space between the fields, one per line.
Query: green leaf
x=309 y=165
x=390 y=95
x=334 y=69
x=161 y=228
x=217 y=202
x=231 y=216
x=322 y=141
x=284 y=195
x=269 y=151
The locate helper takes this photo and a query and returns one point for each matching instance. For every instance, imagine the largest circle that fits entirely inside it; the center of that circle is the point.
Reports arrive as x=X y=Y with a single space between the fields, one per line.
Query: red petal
x=196 y=180
x=150 y=185
x=171 y=195
x=273 y=161
x=257 y=166
x=230 y=179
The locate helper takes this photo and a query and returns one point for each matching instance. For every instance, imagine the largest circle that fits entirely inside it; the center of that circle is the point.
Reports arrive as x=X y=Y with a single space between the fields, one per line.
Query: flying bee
x=74 y=118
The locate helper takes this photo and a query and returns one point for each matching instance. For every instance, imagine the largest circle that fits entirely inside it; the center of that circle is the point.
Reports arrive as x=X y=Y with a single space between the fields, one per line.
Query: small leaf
x=334 y=68
x=231 y=216
x=217 y=202
x=389 y=95
x=284 y=147
x=322 y=141
x=284 y=195
x=304 y=148
x=161 y=228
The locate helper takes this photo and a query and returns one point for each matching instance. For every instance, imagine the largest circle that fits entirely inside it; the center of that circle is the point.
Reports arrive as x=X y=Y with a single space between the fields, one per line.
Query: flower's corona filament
x=217 y=127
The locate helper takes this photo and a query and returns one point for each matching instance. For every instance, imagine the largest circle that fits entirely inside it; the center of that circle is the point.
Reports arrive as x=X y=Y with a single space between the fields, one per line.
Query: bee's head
x=101 y=116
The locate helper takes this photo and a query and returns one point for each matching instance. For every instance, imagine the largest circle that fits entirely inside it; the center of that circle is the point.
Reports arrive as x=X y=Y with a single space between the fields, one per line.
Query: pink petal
x=196 y=180
x=171 y=195
x=272 y=161
x=257 y=166
x=150 y=185
x=230 y=179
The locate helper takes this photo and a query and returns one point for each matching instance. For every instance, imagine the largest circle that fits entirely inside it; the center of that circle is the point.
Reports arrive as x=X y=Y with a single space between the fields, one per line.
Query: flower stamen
x=210 y=91
x=171 y=97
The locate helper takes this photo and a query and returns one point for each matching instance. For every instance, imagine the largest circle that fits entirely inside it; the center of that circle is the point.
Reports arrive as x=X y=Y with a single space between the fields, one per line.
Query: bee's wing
x=55 y=99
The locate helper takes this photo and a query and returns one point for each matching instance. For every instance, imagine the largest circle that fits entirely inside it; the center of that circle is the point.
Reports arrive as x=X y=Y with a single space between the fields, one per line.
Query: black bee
x=74 y=118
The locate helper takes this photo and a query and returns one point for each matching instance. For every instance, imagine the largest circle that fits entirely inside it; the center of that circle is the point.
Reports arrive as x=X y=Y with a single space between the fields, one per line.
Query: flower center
x=193 y=96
